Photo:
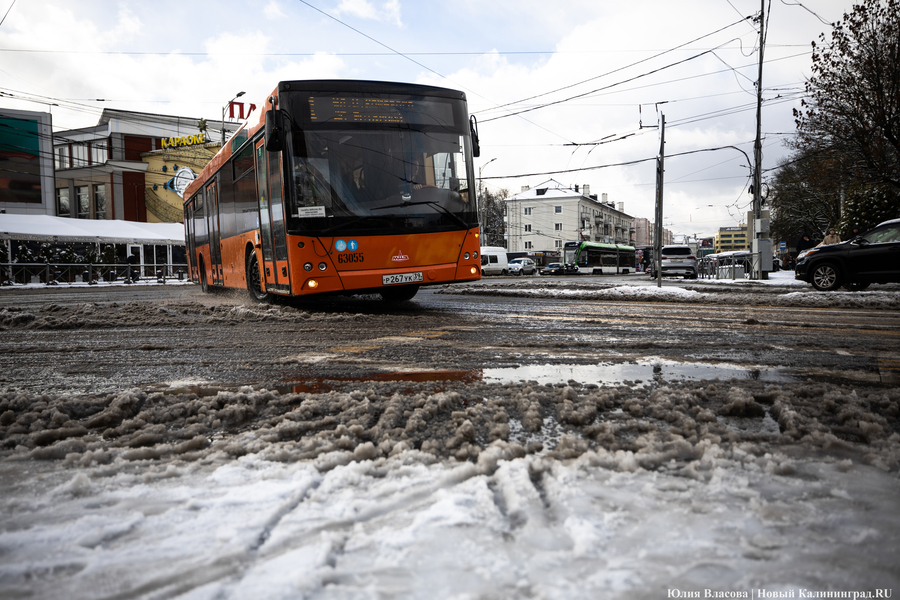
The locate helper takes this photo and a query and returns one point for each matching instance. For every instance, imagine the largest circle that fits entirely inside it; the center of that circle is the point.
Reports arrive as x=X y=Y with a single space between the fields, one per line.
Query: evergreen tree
x=492 y=211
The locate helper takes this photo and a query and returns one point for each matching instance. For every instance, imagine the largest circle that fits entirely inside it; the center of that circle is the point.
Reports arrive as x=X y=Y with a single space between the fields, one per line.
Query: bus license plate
x=401 y=278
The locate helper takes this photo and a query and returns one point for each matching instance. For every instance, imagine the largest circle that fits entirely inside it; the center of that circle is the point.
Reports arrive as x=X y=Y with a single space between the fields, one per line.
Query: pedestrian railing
x=92 y=274
x=739 y=264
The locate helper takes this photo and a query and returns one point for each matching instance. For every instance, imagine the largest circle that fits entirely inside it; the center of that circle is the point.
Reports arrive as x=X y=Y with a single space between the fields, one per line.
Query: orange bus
x=340 y=187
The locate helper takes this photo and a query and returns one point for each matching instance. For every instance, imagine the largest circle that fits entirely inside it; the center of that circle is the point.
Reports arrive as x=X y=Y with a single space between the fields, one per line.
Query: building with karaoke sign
x=132 y=166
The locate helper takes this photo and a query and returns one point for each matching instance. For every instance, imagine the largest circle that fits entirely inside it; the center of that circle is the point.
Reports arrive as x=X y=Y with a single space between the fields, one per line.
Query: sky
x=573 y=90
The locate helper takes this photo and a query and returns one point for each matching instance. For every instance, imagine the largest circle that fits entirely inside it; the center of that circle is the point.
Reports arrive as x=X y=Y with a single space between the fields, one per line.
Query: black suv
x=873 y=257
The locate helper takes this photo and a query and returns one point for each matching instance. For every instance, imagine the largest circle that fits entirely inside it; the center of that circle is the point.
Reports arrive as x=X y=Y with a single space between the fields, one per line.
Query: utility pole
x=761 y=248
x=658 y=226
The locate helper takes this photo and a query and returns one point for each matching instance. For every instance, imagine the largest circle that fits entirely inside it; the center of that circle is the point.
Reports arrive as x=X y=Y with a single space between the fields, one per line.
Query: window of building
x=83 y=202
x=557 y=243
x=62 y=202
x=79 y=155
x=557 y=209
x=528 y=228
x=528 y=210
x=98 y=152
x=100 y=201
x=528 y=245
x=62 y=157
x=557 y=226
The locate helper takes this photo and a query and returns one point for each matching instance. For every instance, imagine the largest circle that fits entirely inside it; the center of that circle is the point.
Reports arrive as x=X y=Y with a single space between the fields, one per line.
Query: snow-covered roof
x=548 y=189
x=60 y=229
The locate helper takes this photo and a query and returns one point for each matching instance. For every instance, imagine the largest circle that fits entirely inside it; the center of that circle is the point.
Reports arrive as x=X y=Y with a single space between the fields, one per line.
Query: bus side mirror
x=274 y=131
x=473 y=129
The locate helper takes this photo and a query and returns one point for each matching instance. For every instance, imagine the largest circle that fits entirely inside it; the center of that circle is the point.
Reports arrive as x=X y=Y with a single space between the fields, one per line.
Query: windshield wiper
x=429 y=203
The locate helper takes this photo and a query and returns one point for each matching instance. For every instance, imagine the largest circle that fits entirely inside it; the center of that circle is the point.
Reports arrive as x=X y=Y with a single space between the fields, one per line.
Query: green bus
x=600 y=258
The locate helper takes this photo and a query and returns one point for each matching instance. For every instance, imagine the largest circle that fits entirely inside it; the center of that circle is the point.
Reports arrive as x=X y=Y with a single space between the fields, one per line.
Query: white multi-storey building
x=543 y=218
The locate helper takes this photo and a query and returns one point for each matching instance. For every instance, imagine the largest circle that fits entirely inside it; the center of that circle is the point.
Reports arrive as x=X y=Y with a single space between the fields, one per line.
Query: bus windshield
x=382 y=171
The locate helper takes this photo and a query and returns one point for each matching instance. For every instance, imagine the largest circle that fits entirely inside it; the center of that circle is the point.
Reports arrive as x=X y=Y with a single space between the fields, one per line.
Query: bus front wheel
x=254 y=279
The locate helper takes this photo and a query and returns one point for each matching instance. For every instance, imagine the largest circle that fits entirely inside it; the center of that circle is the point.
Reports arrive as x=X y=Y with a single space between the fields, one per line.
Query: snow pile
x=874 y=299
x=623 y=292
x=697 y=294
x=151 y=314
x=460 y=425
x=778 y=290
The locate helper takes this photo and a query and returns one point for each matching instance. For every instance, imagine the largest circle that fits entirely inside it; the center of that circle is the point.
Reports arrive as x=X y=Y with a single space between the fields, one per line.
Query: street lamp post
x=223 y=115
x=480 y=169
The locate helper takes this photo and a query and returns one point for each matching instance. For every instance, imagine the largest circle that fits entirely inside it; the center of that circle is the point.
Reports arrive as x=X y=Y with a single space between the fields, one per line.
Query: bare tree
x=805 y=196
x=852 y=110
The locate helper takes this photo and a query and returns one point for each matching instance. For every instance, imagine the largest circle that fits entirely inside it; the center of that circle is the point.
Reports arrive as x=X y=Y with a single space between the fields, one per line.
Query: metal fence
x=730 y=265
x=70 y=273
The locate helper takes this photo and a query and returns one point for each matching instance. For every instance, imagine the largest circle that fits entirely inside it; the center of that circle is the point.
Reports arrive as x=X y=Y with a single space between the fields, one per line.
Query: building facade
x=545 y=217
x=26 y=167
x=131 y=166
x=645 y=234
x=731 y=238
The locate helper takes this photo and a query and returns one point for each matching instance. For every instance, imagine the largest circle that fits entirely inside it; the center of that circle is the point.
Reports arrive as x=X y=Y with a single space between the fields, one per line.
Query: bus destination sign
x=378 y=110
x=348 y=109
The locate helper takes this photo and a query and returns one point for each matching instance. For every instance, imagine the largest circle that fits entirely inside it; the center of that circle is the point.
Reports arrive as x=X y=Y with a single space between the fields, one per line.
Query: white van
x=493 y=261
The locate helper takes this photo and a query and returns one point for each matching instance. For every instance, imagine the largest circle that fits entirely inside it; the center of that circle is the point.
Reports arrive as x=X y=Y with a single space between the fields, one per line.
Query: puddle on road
x=642 y=371
x=600 y=374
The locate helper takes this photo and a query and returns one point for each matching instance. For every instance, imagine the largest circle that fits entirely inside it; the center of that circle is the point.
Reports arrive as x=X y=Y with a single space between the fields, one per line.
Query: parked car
x=873 y=257
x=554 y=269
x=522 y=266
x=493 y=261
x=678 y=260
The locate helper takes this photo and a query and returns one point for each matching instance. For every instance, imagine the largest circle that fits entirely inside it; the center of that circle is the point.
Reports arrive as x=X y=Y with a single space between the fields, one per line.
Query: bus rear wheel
x=254 y=279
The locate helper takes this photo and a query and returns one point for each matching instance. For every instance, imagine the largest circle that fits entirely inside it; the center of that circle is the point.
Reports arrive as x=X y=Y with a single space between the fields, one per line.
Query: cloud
x=128 y=24
x=388 y=11
x=273 y=11
x=601 y=51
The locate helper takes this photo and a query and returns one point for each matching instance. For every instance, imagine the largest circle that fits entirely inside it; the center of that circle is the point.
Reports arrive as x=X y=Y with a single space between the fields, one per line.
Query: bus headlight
x=466 y=256
x=322 y=266
x=473 y=271
x=474 y=255
x=313 y=284
x=307 y=267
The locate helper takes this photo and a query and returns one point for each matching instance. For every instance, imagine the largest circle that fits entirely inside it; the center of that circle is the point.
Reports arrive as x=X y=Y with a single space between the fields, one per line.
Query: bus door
x=215 y=248
x=272 y=234
x=189 y=241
